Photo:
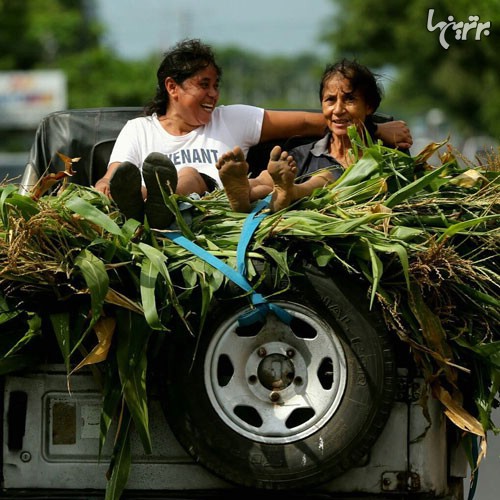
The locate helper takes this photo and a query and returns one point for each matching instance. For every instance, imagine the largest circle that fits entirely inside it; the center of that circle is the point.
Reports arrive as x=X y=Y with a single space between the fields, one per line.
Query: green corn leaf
x=280 y=258
x=60 y=325
x=413 y=188
x=7 y=313
x=404 y=233
x=112 y=395
x=323 y=254
x=364 y=168
x=158 y=260
x=24 y=205
x=489 y=350
x=132 y=334
x=432 y=330
x=34 y=323
x=462 y=226
x=4 y=195
x=120 y=462
x=203 y=275
x=363 y=191
x=481 y=297
x=392 y=247
x=93 y=214
x=94 y=273
x=377 y=269
x=148 y=278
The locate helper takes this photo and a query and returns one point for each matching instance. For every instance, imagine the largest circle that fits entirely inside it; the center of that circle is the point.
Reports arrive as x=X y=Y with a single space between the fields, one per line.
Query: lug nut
x=274 y=396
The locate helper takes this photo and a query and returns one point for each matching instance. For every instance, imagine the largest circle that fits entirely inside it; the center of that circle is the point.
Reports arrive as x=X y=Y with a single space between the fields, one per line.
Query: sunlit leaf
x=412 y=189
x=104 y=328
x=96 y=278
x=149 y=275
x=92 y=214
x=132 y=334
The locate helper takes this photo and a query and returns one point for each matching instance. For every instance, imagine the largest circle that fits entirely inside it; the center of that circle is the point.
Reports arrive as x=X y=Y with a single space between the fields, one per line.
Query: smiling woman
x=189 y=132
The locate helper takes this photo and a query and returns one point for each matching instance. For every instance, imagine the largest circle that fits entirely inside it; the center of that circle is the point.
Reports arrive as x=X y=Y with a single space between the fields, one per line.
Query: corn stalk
x=425 y=239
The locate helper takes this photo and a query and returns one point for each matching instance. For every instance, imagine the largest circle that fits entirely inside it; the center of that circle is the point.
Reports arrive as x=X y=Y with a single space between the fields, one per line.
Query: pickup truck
x=326 y=406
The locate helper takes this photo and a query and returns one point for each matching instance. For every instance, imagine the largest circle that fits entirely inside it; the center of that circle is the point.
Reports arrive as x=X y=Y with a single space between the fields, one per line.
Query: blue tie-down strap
x=262 y=306
x=249 y=226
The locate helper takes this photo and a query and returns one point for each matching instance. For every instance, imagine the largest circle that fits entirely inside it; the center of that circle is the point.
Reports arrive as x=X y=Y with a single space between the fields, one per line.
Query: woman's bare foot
x=283 y=170
x=233 y=173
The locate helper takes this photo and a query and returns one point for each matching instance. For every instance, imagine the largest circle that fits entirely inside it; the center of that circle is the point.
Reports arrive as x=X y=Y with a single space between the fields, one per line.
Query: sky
x=137 y=28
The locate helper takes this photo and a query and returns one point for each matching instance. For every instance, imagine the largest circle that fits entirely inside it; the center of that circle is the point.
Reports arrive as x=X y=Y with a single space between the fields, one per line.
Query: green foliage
x=266 y=81
x=462 y=80
x=37 y=33
x=424 y=239
x=98 y=78
x=61 y=34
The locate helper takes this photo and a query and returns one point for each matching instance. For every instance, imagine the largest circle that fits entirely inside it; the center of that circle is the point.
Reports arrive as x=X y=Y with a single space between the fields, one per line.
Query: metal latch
x=400 y=481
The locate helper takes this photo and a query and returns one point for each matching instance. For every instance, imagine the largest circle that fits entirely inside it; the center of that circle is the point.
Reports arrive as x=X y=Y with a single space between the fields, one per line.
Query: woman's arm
x=285 y=124
x=102 y=184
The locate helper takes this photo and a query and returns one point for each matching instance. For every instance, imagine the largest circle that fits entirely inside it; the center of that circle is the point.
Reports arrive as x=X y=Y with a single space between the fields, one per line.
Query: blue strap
x=249 y=226
x=262 y=307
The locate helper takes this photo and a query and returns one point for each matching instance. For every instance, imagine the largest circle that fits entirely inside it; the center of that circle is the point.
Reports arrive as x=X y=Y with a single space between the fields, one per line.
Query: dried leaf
x=68 y=163
x=461 y=417
x=47 y=181
x=378 y=208
x=120 y=300
x=104 y=329
x=469 y=179
x=428 y=151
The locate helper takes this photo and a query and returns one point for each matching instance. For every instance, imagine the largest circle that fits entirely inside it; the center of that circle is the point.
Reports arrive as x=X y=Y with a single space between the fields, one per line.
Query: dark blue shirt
x=314 y=156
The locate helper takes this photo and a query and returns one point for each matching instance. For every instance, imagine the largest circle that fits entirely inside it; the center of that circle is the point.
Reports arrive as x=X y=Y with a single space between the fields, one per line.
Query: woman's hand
x=395 y=134
x=102 y=185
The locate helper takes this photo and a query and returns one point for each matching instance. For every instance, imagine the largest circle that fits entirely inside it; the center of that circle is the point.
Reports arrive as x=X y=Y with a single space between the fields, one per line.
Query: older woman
x=349 y=95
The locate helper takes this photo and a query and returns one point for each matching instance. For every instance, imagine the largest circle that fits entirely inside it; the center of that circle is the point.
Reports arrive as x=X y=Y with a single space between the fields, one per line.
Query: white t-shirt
x=230 y=126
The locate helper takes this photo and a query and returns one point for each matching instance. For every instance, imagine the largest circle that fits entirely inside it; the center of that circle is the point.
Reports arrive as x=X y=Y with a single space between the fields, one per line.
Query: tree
x=66 y=34
x=269 y=81
x=462 y=79
x=34 y=33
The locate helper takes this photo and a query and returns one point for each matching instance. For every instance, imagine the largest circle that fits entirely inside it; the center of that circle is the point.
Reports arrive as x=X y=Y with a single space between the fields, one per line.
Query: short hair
x=360 y=77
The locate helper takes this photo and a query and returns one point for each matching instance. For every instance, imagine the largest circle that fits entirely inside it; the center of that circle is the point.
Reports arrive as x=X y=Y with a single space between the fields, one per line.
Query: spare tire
x=281 y=406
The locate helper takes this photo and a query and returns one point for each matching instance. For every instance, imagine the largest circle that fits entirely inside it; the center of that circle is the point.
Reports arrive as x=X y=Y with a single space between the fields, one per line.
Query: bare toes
x=275 y=153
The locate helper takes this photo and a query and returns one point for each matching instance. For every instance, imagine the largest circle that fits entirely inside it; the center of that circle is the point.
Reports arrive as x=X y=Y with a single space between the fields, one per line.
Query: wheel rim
x=272 y=382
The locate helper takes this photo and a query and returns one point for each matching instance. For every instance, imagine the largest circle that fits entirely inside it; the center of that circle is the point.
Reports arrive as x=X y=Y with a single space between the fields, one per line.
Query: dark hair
x=181 y=62
x=361 y=78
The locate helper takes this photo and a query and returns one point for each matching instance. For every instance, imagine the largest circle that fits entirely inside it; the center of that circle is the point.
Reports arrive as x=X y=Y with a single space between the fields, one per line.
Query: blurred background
x=440 y=76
